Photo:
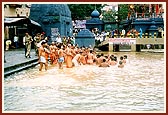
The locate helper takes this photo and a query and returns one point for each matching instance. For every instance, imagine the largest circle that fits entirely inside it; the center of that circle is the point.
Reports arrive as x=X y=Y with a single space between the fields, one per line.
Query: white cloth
x=24 y=40
x=42 y=59
x=59 y=40
x=75 y=62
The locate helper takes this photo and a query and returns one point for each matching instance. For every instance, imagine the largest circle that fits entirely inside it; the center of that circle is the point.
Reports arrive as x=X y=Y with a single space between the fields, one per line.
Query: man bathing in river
x=76 y=60
x=42 y=56
x=60 y=57
x=75 y=56
x=104 y=64
x=90 y=57
x=125 y=59
x=121 y=65
x=69 y=56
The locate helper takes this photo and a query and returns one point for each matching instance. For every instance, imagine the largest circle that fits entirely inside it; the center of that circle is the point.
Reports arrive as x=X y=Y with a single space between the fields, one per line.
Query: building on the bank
x=17 y=22
x=145 y=16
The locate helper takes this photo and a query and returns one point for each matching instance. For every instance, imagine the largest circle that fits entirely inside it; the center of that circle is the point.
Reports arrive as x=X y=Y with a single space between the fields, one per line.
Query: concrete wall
x=150 y=40
x=145 y=23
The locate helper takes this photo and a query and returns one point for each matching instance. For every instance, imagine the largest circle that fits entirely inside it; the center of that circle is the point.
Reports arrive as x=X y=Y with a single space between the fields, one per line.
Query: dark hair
x=43 y=42
x=120 y=62
x=115 y=58
x=125 y=56
x=104 y=60
x=106 y=57
x=98 y=55
x=59 y=46
x=121 y=58
x=112 y=56
x=102 y=54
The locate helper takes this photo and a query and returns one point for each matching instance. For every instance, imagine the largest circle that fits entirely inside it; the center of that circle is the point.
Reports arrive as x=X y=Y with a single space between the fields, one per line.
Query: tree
x=109 y=16
x=116 y=16
x=123 y=10
x=83 y=11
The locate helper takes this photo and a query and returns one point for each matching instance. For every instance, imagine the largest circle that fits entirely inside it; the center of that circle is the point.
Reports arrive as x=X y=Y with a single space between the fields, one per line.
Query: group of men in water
x=71 y=55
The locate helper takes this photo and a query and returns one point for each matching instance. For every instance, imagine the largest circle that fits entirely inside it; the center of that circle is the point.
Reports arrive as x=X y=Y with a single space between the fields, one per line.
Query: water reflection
x=139 y=86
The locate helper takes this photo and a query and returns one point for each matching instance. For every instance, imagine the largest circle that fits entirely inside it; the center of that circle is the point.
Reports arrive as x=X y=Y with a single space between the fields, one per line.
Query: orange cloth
x=83 y=60
x=69 y=61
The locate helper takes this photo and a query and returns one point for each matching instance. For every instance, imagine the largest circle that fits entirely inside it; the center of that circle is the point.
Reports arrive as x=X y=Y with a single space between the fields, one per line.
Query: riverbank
x=15 y=61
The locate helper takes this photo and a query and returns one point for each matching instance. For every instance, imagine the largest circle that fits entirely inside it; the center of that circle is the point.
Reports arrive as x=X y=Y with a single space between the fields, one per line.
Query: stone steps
x=19 y=67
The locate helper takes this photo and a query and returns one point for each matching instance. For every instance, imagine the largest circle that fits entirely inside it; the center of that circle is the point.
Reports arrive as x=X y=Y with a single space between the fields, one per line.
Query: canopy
x=12 y=20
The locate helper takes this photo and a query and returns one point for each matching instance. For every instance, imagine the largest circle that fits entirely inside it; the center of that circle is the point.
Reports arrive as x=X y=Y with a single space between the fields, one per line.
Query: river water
x=138 y=87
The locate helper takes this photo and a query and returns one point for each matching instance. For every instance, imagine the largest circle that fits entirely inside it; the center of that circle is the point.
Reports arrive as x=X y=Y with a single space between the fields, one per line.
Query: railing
x=132 y=41
x=138 y=35
x=146 y=15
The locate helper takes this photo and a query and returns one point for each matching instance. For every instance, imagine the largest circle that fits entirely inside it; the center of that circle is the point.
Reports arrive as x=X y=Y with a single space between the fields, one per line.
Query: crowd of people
x=101 y=36
x=72 y=56
x=64 y=51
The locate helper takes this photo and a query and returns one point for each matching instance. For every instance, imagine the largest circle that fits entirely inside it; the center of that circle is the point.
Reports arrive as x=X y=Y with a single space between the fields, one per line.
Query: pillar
x=15 y=30
x=150 y=35
x=162 y=34
x=155 y=35
x=133 y=47
x=115 y=35
x=146 y=35
x=6 y=32
x=110 y=47
x=143 y=36
x=138 y=35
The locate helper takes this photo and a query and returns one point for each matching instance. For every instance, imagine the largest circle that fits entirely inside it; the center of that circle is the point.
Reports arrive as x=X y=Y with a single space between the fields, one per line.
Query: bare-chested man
x=52 y=52
x=42 y=56
x=112 y=61
x=125 y=59
x=120 y=65
x=100 y=58
x=69 y=56
x=60 y=56
x=90 y=57
x=83 y=58
x=76 y=59
x=104 y=64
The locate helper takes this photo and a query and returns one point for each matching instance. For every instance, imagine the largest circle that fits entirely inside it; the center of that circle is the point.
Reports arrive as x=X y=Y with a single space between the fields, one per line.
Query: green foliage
x=109 y=16
x=83 y=11
x=116 y=16
x=123 y=11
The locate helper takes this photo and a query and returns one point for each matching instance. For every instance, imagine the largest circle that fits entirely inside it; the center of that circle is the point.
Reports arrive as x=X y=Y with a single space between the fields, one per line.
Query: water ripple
x=139 y=86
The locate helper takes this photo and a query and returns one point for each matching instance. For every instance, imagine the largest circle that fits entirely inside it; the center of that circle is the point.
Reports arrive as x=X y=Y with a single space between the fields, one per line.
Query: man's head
x=125 y=56
x=104 y=60
x=43 y=43
x=26 y=33
x=120 y=62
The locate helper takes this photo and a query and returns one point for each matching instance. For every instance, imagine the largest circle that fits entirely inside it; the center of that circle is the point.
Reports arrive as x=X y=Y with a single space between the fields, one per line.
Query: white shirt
x=15 y=39
x=59 y=40
x=123 y=31
x=24 y=40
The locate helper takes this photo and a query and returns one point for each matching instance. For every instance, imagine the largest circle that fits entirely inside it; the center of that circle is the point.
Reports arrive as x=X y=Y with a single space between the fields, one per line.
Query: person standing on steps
x=28 y=40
